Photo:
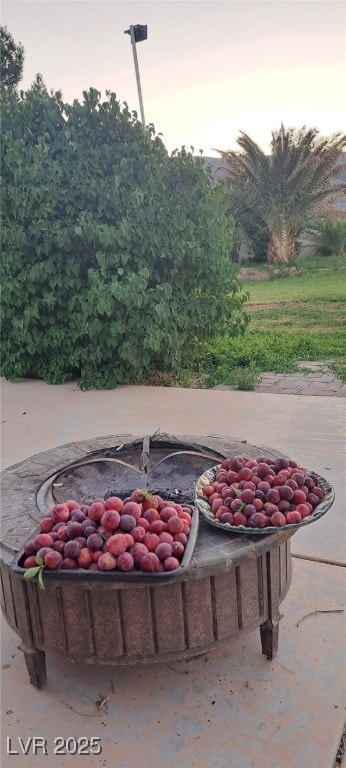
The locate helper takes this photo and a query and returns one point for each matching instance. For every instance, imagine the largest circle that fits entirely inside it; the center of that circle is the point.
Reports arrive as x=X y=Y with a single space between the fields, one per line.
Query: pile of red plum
x=139 y=533
x=261 y=493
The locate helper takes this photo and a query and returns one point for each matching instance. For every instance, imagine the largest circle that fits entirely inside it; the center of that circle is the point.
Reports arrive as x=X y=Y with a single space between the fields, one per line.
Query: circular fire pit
x=234 y=583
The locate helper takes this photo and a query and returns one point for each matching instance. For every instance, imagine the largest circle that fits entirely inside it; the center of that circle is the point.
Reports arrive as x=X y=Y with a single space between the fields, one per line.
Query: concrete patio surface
x=233 y=709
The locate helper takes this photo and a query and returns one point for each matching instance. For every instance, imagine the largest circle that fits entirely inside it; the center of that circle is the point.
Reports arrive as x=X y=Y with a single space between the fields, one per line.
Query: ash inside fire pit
x=166 y=468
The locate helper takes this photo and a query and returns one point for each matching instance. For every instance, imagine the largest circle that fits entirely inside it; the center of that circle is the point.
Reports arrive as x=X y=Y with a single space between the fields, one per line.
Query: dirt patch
x=254 y=307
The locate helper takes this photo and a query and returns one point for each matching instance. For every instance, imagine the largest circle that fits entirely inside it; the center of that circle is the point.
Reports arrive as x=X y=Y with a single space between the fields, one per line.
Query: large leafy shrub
x=115 y=255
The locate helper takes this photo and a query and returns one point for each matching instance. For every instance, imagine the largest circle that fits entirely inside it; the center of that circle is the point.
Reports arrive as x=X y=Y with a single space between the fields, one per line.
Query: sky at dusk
x=209 y=69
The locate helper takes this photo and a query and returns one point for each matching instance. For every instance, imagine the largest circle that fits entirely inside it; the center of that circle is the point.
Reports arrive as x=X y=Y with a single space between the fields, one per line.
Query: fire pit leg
x=36 y=665
x=270 y=628
x=270 y=638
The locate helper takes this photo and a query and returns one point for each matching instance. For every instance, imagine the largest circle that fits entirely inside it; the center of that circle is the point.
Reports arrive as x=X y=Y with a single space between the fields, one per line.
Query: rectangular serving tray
x=125 y=577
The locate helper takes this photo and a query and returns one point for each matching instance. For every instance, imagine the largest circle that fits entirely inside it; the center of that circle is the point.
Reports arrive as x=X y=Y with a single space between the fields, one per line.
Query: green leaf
x=40 y=580
x=31 y=572
x=39 y=560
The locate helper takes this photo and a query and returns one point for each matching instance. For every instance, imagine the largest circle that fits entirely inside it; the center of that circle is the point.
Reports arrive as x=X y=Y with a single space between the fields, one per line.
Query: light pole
x=138 y=32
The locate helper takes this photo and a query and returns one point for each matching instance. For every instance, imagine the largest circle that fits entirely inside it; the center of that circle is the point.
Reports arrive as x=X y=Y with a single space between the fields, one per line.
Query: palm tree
x=277 y=196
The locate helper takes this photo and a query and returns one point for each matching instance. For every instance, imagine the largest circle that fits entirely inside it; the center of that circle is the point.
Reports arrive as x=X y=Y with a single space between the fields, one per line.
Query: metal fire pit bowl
x=234 y=583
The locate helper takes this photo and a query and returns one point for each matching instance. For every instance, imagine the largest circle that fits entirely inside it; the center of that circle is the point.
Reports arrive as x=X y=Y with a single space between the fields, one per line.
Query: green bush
x=115 y=255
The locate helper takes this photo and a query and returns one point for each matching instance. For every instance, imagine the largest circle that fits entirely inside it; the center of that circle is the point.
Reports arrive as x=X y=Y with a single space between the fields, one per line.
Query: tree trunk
x=281 y=248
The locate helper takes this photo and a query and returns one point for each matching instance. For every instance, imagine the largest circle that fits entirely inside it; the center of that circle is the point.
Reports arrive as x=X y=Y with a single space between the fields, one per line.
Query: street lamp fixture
x=138 y=32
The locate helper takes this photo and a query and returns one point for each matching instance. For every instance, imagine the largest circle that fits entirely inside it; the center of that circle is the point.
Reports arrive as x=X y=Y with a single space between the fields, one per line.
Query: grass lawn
x=305 y=287
x=301 y=317
x=314 y=302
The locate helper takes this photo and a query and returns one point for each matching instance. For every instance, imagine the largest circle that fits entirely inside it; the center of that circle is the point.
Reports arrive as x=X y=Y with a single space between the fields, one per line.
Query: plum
x=43 y=551
x=298 y=477
x=114 y=502
x=245 y=473
x=249 y=510
x=286 y=493
x=273 y=495
x=284 y=506
x=151 y=541
x=53 y=560
x=168 y=512
x=29 y=548
x=125 y=561
x=59 y=546
x=69 y=563
x=237 y=463
x=299 y=497
x=158 y=526
x=46 y=525
x=117 y=544
x=143 y=523
x=30 y=561
x=216 y=504
x=150 y=562
x=280 y=463
x=151 y=515
x=138 y=551
x=138 y=533
x=270 y=509
x=78 y=516
x=74 y=529
x=81 y=540
x=127 y=522
x=43 y=540
x=263 y=469
x=278 y=519
x=88 y=530
x=175 y=525
x=186 y=528
x=292 y=484
x=232 y=476
x=247 y=496
x=258 y=520
x=62 y=533
x=84 y=558
x=293 y=517
x=239 y=519
x=96 y=511
x=110 y=520
x=227 y=517
x=131 y=508
x=87 y=523
x=236 y=505
x=303 y=510
x=171 y=564
x=313 y=499
x=60 y=513
x=164 y=550
x=106 y=562
x=72 y=549
x=72 y=505
x=222 y=511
